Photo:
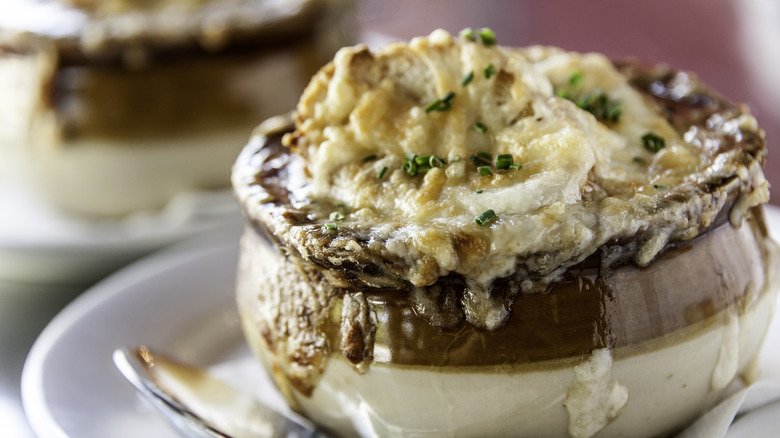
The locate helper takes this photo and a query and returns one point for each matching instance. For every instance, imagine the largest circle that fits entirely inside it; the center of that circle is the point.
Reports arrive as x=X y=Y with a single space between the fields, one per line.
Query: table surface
x=25 y=309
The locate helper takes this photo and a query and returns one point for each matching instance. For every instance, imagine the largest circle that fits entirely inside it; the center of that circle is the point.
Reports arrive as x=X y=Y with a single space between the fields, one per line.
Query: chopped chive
x=575 y=79
x=485 y=217
x=479 y=161
x=639 y=160
x=487 y=36
x=503 y=161
x=564 y=93
x=489 y=71
x=479 y=191
x=480 y=127
x=584 y=101
x=426 y=162
x=660 y=187
x=653 y=142
x=382 y=172
x=371 y=157
x=468 y=77
x=598 y=103
x=614 y=111
x=337 y=216
x=515 y=166
x=409 y=165
x=448 y=98
x=468 y=34
x=485 y=155
x=443 y=104
x=330 y=227
x=414 y=164
x=484 y=170
x=435 y=161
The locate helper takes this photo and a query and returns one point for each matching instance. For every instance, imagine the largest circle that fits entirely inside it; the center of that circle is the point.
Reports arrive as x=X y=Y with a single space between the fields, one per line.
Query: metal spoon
x=202 y=406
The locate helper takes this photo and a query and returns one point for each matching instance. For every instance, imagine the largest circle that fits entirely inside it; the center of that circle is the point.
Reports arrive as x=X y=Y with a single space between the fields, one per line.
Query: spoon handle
x=199 y=405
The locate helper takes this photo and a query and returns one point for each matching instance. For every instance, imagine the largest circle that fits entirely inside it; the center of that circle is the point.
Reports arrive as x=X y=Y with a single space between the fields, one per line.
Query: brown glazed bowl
x=610 y=349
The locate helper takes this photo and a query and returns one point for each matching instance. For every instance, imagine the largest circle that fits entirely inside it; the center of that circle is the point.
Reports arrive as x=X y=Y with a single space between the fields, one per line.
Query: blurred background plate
x=113 y=110
x=42 y=245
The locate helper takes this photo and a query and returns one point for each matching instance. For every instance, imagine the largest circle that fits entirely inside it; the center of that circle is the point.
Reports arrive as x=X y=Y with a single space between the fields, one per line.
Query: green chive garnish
x=467 y=78
x=371 y=157
x=479 y=161
x=575 y=79
x=422 y=164
x=337 y=216
x=443 y=104
x=485 y=217
x=330 y=227
x=601 y=106
x=409 y=165
x=598 y=103
x=479 y=191
x=660 y=187
x=564 y=93
x=652 y=142
x=489 y=71
x=503 y=161
x=487 y=36
x=515 y=166
x=480 y=127
x=484 y=170
x=639 y=160
x=614 y=111
x=382 y=172
x=485 y=155
x=414 y=164
x=468 y=34
x=585 y=101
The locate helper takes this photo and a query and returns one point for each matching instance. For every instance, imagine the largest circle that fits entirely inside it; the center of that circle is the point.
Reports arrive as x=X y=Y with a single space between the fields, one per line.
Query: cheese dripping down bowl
x=451 y=237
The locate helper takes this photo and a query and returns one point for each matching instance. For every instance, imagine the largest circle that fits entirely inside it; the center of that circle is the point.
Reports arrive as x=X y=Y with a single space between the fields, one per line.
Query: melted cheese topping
x=583 y=181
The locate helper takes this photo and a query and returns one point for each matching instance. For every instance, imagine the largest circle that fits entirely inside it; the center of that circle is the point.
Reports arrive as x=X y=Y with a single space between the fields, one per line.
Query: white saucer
x=179 y=301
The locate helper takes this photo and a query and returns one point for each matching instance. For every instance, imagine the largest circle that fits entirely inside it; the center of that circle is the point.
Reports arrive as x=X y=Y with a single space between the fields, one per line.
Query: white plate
x=43 y=245
x=179 y=301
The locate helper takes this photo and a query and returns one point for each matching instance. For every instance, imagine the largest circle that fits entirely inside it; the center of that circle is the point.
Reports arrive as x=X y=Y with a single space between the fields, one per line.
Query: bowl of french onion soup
x=452 y=237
